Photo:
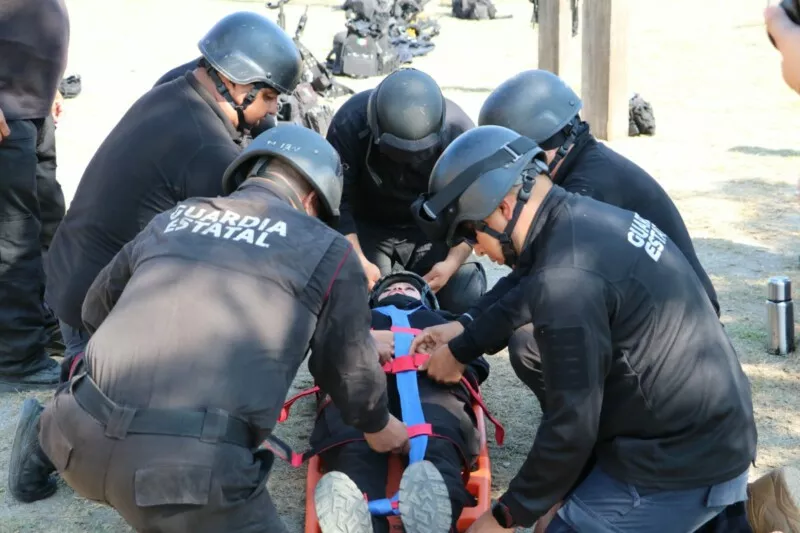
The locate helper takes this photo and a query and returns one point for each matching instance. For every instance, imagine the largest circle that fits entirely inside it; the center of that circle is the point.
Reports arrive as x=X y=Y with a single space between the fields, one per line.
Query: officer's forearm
x=459 y=253
x=353 y=238
x=344 y=358
x=500 y=289
x=563 y=445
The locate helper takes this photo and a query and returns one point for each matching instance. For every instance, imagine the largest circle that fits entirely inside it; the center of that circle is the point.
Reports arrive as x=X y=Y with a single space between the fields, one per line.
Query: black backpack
x=641 y=120
x=474 y=9
x=303 y=107
x=362 y=56
x=70 y=87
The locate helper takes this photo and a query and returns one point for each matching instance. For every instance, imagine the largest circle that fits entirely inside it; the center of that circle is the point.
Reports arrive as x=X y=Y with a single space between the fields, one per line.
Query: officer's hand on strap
x=442 y=367
x=440 y=274
x=384 y=339
x=5 y=131
x=787 y=39
x=430 y=339
x=392 y=438
x=487 y=524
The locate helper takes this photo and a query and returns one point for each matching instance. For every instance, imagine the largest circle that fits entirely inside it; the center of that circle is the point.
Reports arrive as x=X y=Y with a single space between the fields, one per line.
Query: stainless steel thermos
x=780 y=315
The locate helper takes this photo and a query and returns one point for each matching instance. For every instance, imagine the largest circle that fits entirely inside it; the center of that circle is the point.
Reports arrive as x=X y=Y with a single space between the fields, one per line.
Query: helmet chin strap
x=575 y=129
x=510 y=255
x=242 y=126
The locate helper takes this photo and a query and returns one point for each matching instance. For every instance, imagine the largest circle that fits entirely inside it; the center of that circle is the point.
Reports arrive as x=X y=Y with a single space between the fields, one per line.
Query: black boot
x=29 y=469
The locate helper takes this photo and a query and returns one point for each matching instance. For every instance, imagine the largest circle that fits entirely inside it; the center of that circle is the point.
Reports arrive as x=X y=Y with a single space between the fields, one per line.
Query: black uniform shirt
x=637 y=366
x=593 y=170
x=216 y=303
x=178 y=72
x=34 y=38
x=174 y=143
x=387 y=203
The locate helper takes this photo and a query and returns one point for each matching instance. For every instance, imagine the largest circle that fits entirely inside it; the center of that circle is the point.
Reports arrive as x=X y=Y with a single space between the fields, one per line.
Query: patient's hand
x=384 y=339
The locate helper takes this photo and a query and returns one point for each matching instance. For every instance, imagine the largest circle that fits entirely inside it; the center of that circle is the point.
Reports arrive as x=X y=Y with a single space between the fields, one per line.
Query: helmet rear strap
x=222 y=90
x=570 y=134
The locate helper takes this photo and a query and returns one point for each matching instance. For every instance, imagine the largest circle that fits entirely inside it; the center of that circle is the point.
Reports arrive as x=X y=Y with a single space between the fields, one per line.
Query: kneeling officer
x=642 y=383
x=199 y=326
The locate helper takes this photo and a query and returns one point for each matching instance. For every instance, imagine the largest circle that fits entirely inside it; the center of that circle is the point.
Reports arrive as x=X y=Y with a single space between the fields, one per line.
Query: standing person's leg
x=378 y=245
x=23 y=359
x=51 y=198
x=604 y=504
x=52 y=209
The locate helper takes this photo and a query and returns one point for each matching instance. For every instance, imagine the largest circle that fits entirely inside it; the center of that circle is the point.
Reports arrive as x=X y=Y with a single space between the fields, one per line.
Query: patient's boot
x=424 y=500
x=341 y=508
x=774 y=502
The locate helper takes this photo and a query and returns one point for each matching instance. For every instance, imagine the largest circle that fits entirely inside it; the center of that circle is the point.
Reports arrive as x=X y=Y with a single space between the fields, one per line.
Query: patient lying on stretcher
x=432 y=492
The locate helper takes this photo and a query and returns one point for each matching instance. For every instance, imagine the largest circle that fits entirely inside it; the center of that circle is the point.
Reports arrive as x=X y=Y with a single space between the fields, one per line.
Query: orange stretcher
x=479 y=484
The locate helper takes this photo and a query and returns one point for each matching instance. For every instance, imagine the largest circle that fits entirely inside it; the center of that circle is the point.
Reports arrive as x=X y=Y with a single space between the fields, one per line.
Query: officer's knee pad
x=464 y=289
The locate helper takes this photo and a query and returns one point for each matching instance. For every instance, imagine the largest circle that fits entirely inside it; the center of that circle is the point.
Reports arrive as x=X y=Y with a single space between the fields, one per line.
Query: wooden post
x=604 y=80
x=555 y=32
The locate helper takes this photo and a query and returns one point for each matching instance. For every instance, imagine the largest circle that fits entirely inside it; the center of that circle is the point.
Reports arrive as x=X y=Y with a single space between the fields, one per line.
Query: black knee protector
x=464 y=289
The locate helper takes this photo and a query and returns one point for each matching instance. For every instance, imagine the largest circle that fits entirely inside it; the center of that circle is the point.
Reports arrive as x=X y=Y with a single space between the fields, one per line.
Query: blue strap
x=410 y=404
x=384 y=507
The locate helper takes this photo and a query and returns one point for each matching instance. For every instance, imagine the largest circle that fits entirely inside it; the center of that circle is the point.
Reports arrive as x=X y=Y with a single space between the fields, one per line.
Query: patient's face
x=406 y=289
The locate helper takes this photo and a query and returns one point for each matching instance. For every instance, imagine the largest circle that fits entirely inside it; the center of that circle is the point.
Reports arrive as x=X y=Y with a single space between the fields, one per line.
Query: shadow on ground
x=769 y=152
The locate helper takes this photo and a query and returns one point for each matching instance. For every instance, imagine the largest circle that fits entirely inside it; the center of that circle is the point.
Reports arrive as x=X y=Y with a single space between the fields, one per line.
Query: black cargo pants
x=450 y=414
x=52 y=206
x=407 y=248
x=22 y=314
x=158 y=483
x=526 y=361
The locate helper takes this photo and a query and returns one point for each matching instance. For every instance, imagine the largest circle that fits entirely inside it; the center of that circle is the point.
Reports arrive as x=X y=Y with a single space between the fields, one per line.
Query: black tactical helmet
x=428 y=297
x=406 y=112
x=539 y=105
x=470 y=180
x=304 y=150
x=248 y=48
x=535 y=103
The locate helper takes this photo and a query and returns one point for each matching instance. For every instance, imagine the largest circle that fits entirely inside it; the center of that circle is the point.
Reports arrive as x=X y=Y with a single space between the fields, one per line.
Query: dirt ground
x=724 y=150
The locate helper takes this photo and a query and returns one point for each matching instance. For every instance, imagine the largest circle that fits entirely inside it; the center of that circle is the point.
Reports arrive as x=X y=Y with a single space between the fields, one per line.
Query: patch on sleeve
x=564 y=358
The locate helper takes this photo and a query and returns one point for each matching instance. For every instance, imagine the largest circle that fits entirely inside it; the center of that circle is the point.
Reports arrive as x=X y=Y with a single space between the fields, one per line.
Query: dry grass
x=726 y=149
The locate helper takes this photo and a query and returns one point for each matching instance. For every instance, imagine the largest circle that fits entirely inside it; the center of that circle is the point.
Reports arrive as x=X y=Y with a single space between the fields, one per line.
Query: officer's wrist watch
x=502 y=514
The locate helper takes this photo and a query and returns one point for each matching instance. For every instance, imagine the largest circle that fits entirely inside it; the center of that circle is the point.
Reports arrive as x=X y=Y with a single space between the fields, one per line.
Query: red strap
x=499 y=431
x=419 y=429
x=74 y=365
x=405 y=363
x=410 y=331
x=288 y=405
